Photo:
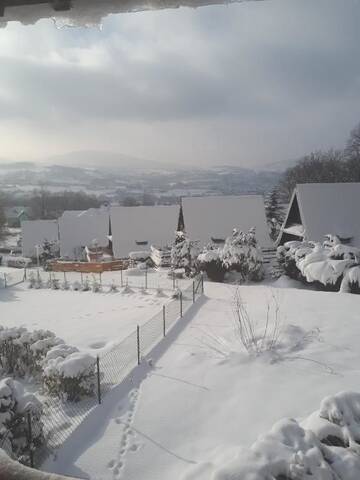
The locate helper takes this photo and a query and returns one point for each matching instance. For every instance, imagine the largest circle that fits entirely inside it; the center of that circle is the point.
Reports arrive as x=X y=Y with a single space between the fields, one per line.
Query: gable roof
x=35 y=232
x=217 y=216
x=132 y=226
x=327 y=208
x=80 y=228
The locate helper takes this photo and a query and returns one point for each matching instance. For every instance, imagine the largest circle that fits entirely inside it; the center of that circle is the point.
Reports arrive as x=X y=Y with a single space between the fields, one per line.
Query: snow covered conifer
x=184 y=253
x=242 y=254
x=274 y=213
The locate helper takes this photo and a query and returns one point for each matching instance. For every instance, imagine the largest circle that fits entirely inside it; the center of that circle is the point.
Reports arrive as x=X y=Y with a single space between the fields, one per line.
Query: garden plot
x=134 y=277
x=90 y=321
x=205 y=400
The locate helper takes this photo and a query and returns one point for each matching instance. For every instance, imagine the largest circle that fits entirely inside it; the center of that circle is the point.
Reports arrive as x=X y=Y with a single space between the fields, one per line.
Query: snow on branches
x=331 y=265
x=240 y=253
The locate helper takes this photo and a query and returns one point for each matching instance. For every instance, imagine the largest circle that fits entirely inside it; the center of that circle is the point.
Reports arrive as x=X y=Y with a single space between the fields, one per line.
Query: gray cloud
x=224 y=84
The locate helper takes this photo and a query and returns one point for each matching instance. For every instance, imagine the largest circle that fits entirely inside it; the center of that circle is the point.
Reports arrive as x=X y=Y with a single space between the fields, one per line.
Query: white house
x=319 y=209
x=35 y=232
x=212 y=219
x=137 y=228
x=79 y=229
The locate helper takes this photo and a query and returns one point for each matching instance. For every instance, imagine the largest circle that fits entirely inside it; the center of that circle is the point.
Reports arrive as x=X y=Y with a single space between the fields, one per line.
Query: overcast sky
x=246 y=84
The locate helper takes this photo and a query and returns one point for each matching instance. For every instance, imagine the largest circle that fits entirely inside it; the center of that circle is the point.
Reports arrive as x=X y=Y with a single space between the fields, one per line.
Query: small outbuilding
x=320 y=209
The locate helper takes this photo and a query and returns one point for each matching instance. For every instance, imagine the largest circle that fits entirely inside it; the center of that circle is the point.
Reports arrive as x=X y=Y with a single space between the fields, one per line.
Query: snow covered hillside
x=204 y=401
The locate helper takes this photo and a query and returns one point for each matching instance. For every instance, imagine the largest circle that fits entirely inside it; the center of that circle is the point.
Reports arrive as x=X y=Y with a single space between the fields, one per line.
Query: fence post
x=24 y=274
x=138 y=344
x=31 y=453
x=193 y=283
x=181 y=305
x=98 y=379
x=173 y=279
x=146 y=272
x=202 y=283
x=121 y=276
x=164 y=321
x=81 y=277
x=100 y=280
x=5 y=281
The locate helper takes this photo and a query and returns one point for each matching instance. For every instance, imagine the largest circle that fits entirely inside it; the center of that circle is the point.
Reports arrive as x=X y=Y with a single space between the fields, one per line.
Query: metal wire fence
x=60 y=418
x=12 y=278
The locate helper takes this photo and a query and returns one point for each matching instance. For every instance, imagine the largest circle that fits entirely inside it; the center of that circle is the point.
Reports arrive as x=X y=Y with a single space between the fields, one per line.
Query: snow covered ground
x=202 y=400
x=87 y=320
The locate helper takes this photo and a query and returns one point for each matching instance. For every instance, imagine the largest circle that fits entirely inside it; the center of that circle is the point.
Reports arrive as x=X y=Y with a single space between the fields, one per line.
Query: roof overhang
x=87 y=12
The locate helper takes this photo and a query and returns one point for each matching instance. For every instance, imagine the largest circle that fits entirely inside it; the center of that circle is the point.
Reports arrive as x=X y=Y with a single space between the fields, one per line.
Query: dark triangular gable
x=293 y=218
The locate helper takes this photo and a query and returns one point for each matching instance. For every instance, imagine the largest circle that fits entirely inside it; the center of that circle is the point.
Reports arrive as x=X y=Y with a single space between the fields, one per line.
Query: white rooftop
x=330 y=208
x=217 y=216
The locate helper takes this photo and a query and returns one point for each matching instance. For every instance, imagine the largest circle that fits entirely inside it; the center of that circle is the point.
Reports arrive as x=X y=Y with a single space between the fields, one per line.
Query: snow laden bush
x=21 y=351
x=15 y=404
x=240 y=253
x=257 y=339
x=68 y=373
x=324 y=446
x=184 y=253
x=326 y=265
x=210 y=262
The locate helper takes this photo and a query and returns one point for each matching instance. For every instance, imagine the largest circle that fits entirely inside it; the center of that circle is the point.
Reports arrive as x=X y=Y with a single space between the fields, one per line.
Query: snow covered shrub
x=323 y=266
x=211 y=263
x=69 y=374
x=65 y=285
x=32 y=280
x=76 y=286
x=127 y=289
x=85 y=287
x=113 y=287
x=95 y=285
x=15 y=403
x=351 y=281
x=21 y=351
x=242 y=254
x=184 y=253
x=257 y=339
x=53 y=283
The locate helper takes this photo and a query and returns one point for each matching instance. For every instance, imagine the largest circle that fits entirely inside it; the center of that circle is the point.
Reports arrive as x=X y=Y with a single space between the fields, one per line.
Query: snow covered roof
x=80 y=228
x=86 y=12
x=328 y=208
x=34 y=232
x=132 y=226
x=215 y=217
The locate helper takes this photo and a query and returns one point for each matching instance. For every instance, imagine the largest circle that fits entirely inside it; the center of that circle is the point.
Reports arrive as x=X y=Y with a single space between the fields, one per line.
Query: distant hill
x=101 y=159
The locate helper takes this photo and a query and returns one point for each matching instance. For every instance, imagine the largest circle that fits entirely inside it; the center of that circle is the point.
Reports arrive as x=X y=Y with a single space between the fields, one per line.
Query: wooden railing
x=88 y=267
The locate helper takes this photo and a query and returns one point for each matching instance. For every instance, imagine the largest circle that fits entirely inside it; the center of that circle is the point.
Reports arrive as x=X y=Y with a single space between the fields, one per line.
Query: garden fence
x=60 y=418
x=11 y=279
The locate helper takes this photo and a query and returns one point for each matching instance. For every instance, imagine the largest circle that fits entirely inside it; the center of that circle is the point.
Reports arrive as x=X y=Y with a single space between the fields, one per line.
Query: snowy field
x=87 y=320
x=204 y=400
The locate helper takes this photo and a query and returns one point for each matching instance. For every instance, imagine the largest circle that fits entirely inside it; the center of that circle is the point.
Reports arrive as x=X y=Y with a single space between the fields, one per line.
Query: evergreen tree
x=181 y=222
x=274 y=213
x=184 y=253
